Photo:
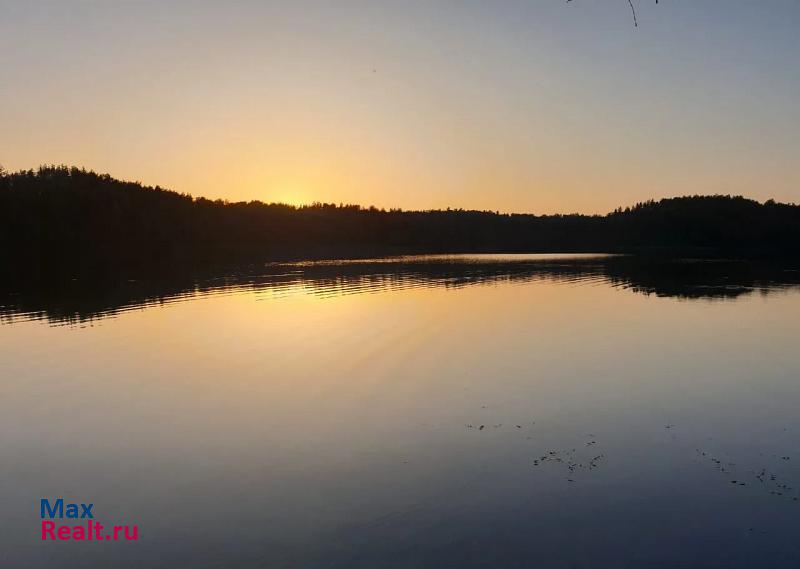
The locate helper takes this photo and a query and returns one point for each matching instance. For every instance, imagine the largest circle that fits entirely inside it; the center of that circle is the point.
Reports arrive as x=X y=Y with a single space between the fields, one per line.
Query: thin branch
x=635 y=23
x=633 y=11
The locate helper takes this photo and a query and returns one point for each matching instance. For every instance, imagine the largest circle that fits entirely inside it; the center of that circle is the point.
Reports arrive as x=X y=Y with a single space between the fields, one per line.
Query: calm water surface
x=511 y=411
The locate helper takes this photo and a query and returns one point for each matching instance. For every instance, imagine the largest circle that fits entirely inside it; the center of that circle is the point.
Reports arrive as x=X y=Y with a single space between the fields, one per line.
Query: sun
x=290 y=194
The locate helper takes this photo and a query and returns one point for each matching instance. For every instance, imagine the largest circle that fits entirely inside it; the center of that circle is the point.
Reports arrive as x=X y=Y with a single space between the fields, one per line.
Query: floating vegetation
x=572 y=460
x=769 y=481
x=584 y=458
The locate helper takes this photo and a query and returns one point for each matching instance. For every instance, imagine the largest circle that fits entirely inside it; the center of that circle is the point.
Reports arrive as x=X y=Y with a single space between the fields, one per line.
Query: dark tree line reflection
x=59 y=222
x=81 y=301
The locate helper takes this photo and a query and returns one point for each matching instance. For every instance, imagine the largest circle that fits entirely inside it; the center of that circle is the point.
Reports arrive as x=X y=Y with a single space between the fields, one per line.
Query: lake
x=502 y=411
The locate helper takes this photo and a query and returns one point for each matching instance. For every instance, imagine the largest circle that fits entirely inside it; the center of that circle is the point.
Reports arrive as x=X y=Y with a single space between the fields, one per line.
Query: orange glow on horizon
x=524 y=107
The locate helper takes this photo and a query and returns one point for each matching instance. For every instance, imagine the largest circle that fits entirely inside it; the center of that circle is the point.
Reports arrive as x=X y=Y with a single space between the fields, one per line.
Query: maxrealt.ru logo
x=88 y=530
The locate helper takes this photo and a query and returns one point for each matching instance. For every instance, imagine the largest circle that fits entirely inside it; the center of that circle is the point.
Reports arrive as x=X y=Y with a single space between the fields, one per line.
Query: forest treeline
x=70 y=221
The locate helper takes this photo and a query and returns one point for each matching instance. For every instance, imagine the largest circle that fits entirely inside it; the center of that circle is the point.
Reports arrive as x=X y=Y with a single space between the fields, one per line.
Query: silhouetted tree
x=60 y=220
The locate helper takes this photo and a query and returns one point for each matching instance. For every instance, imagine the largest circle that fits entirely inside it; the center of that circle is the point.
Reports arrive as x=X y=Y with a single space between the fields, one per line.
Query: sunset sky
x=538 y=106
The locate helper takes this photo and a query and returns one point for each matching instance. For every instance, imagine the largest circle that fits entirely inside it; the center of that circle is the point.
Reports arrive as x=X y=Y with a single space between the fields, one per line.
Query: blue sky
x=517 y=105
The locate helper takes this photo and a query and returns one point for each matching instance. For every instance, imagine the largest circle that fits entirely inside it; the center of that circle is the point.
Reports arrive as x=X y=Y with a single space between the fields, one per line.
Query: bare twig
x=633 y=11
x=635 y=23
